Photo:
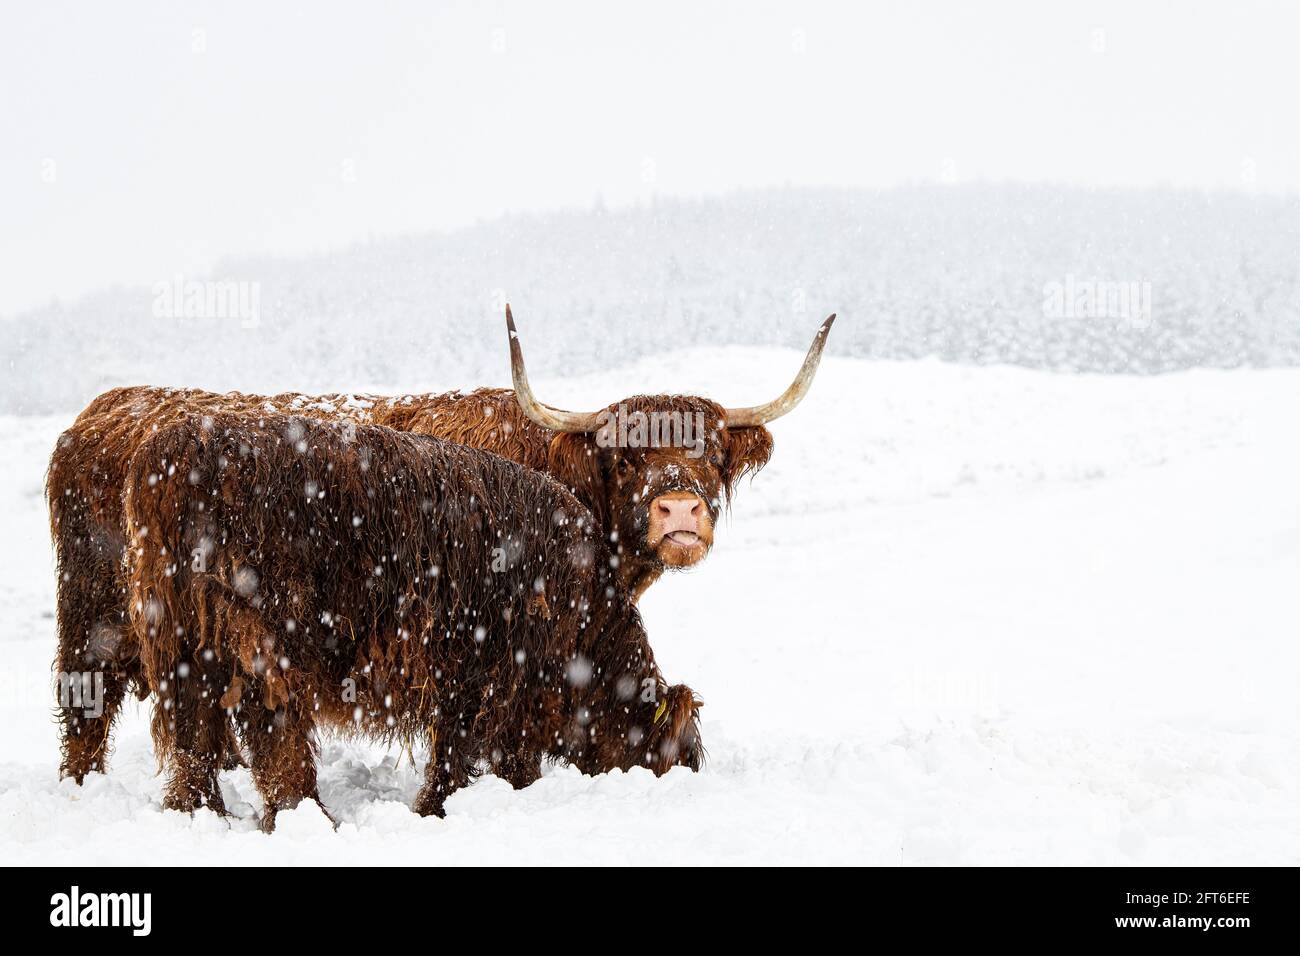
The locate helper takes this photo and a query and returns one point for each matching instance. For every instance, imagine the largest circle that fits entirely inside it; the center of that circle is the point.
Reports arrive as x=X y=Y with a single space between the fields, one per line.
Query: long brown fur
x=293 y=573
x=87 y=470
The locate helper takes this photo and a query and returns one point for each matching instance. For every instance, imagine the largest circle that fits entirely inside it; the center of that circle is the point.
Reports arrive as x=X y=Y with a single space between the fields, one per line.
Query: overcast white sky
x=145 y=139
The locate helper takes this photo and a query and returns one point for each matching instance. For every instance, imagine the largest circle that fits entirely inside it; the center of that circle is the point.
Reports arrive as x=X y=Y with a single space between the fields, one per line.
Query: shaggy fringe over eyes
x=748 y=452
x=575 y=459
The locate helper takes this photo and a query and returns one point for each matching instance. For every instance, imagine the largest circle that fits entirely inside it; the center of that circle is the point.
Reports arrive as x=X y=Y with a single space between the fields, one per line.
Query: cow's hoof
x=77 y=767
x=429 y=805
x=233 y=762
x=187 y=801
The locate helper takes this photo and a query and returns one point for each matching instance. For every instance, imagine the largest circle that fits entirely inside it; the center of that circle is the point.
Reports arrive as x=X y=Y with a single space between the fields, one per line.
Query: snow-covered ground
x=967 y=615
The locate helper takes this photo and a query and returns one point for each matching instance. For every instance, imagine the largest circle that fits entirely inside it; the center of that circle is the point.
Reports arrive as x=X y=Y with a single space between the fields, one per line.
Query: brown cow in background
x=656 y=503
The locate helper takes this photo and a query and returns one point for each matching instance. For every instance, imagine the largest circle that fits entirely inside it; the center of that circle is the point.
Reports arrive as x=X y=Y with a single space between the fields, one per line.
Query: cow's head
x=658 y=469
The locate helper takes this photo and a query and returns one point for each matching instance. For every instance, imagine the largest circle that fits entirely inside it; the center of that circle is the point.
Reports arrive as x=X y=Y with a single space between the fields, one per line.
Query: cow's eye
x=625 y=469
x=716 y=459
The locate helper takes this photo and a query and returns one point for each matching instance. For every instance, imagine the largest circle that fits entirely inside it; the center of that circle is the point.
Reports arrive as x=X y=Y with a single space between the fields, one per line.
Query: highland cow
x=291 y=573
x=656 y=503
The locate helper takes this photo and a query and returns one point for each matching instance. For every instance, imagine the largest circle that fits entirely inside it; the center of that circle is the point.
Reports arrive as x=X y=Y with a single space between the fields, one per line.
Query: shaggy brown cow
x=657 y=501
x=293 y=572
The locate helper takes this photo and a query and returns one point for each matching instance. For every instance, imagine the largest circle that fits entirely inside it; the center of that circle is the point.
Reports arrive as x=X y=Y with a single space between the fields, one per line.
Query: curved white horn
x=761 y=414
x=544 y=415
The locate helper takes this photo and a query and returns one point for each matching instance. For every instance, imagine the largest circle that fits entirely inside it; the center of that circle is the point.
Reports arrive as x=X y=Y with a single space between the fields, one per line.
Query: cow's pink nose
x=680 y=514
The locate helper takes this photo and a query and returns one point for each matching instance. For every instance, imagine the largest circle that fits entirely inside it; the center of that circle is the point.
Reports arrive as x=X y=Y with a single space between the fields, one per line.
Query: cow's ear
x=574 y=459
x=748 y=450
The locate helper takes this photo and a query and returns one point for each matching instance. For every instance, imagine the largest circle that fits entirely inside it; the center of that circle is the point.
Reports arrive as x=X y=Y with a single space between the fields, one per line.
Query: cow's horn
x=761 y=414
x=546 y=416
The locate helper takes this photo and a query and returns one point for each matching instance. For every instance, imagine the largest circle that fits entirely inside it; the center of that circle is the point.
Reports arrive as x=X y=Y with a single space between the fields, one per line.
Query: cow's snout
x=680 y=514
x=680 y=527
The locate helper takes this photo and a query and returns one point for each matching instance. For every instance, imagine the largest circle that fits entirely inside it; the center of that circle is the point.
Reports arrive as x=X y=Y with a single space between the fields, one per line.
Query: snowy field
x=966 y=616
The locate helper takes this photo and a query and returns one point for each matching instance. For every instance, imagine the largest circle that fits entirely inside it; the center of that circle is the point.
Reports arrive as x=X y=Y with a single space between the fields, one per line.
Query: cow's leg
x=282 y=755
x=452 y=759
x=519 y=769
x=234 y=758
x=95 y=651
x=196 y=732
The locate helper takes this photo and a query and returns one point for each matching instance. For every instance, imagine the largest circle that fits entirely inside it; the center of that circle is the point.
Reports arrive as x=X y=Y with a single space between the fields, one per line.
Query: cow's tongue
x=683 y=537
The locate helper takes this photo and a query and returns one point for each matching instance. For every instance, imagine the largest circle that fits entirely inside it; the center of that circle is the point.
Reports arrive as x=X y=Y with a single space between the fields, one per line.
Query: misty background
x=635 y=182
